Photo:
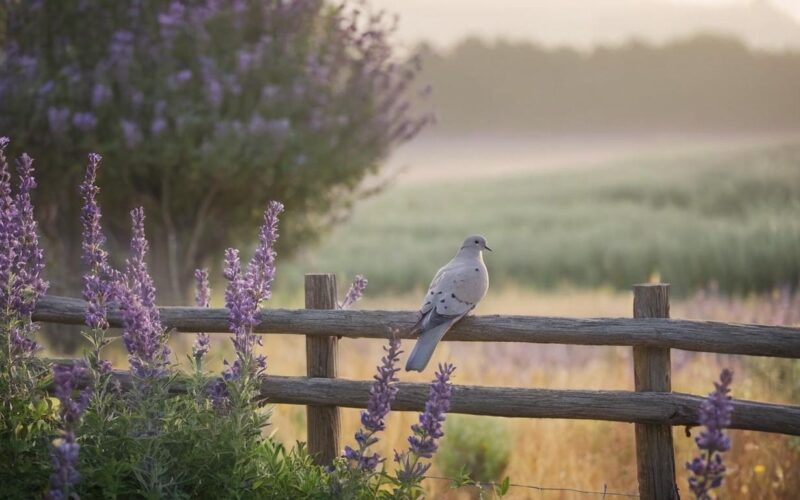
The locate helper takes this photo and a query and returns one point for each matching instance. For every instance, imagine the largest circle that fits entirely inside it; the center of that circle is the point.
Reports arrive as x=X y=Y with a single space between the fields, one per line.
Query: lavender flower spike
x=355 y=292
x=21 y=258
x=143 y=334
x=715 y=414
x=65 y=379
x=261 y=268
x=373 y=419
x=202 y=298
x=64 y=454
x=98 y=282
x=425 y=433
x=8 y=233
x=30 y=258
x=245 y=291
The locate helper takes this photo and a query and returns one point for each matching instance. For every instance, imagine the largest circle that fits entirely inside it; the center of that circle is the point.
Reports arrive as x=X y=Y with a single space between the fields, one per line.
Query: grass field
x=568 y=242
x=730 y=216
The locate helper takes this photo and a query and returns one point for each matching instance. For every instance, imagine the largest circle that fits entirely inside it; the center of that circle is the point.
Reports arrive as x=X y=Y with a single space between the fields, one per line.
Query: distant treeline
x=702 y=84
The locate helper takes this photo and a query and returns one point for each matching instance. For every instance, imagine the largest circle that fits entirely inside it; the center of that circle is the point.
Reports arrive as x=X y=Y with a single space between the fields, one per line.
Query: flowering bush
x=124 y=434
x=28 y=418
x=220 y=100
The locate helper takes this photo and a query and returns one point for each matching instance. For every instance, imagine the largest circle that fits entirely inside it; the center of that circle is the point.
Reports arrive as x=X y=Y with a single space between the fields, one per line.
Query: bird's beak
x=487 y=248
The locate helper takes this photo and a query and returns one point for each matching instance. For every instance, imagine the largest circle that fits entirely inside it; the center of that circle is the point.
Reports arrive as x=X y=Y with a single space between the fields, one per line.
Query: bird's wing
x=427 y=302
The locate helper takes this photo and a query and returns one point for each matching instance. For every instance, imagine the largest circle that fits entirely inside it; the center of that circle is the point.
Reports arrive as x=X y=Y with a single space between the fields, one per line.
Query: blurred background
x=595 y=143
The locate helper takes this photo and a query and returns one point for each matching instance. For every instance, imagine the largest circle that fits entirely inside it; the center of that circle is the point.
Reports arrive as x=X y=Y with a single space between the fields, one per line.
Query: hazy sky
x=578 y=22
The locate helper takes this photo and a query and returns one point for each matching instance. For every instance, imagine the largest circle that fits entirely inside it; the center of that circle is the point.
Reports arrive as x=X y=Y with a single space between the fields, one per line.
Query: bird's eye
x=476 y=242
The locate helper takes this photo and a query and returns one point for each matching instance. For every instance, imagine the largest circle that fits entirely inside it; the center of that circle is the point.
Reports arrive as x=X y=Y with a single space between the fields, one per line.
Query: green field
x=731 y=216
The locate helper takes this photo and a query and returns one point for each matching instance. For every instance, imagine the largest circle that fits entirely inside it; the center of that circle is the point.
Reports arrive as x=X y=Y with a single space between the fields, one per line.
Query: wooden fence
x=652 y=407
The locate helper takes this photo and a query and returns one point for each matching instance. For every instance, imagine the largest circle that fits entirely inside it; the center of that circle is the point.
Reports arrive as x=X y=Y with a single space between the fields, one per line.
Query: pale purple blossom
x=246 y=290
x=423 y=441
x=355 y=292
x=373 y=419
x=99 y=281
x=21 y=259
x=158 y=125
x=131 y=133
x=65 y=451
x=64 y=458
x=202 y=295
x=84 y=121
x=57 y=120
x=202 y=299
x=180 y=78
x=143 y=334
x=261 y=269
x=280 y=127
x=101 y=94
x=715 y=414
x=66 y=379
x=47 y=87
x=257 y=125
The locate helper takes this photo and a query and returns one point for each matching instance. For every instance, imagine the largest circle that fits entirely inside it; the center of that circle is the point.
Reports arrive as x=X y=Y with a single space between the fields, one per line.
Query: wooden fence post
x=322 y=421
x=655 y=458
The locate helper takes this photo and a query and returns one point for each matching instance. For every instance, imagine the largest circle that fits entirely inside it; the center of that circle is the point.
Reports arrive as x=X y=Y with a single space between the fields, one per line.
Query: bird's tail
x=426 y=344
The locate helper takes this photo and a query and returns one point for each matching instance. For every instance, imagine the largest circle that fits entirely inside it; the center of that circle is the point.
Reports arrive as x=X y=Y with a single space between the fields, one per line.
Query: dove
x=455 y=290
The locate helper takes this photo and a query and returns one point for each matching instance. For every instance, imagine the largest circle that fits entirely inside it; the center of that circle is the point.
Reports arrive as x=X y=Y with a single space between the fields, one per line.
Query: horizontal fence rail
x=701 y=336
x=668 y=408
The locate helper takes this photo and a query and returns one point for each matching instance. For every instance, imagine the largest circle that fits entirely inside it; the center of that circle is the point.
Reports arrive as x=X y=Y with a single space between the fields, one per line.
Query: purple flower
x=64 y=457
x=257 y=125
x=202 y=297
x=9 y=229
x=246 y=291
x=142 y=332
x=715 y=414
x=261 y=269
x=373 y=419
x=422 y=443
x=21 y=258
x=99 y=281
x=214 y=91
x=201 y=346
x=355 y=292
x=131 y=133
x=101 y=94
x=57 y=119
x=47 y=87
x=64 y=454
x=180 y=78
x=241 y=309
x=158 y=125
x=66 y=378
x=280 y=127
x=84 y=121
x=384 y=389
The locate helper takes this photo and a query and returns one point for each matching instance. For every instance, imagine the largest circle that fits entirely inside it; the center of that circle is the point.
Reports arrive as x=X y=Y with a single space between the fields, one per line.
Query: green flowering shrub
x=206 y=109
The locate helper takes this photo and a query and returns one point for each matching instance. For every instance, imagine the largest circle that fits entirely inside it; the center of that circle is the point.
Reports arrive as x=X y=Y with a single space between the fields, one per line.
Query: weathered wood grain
x=655 y=459
x=702 y=336
x=676 y=409
x=322 y=422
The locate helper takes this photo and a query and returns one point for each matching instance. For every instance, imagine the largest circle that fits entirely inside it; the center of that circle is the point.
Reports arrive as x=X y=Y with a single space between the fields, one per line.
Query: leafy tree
x=203 y=111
